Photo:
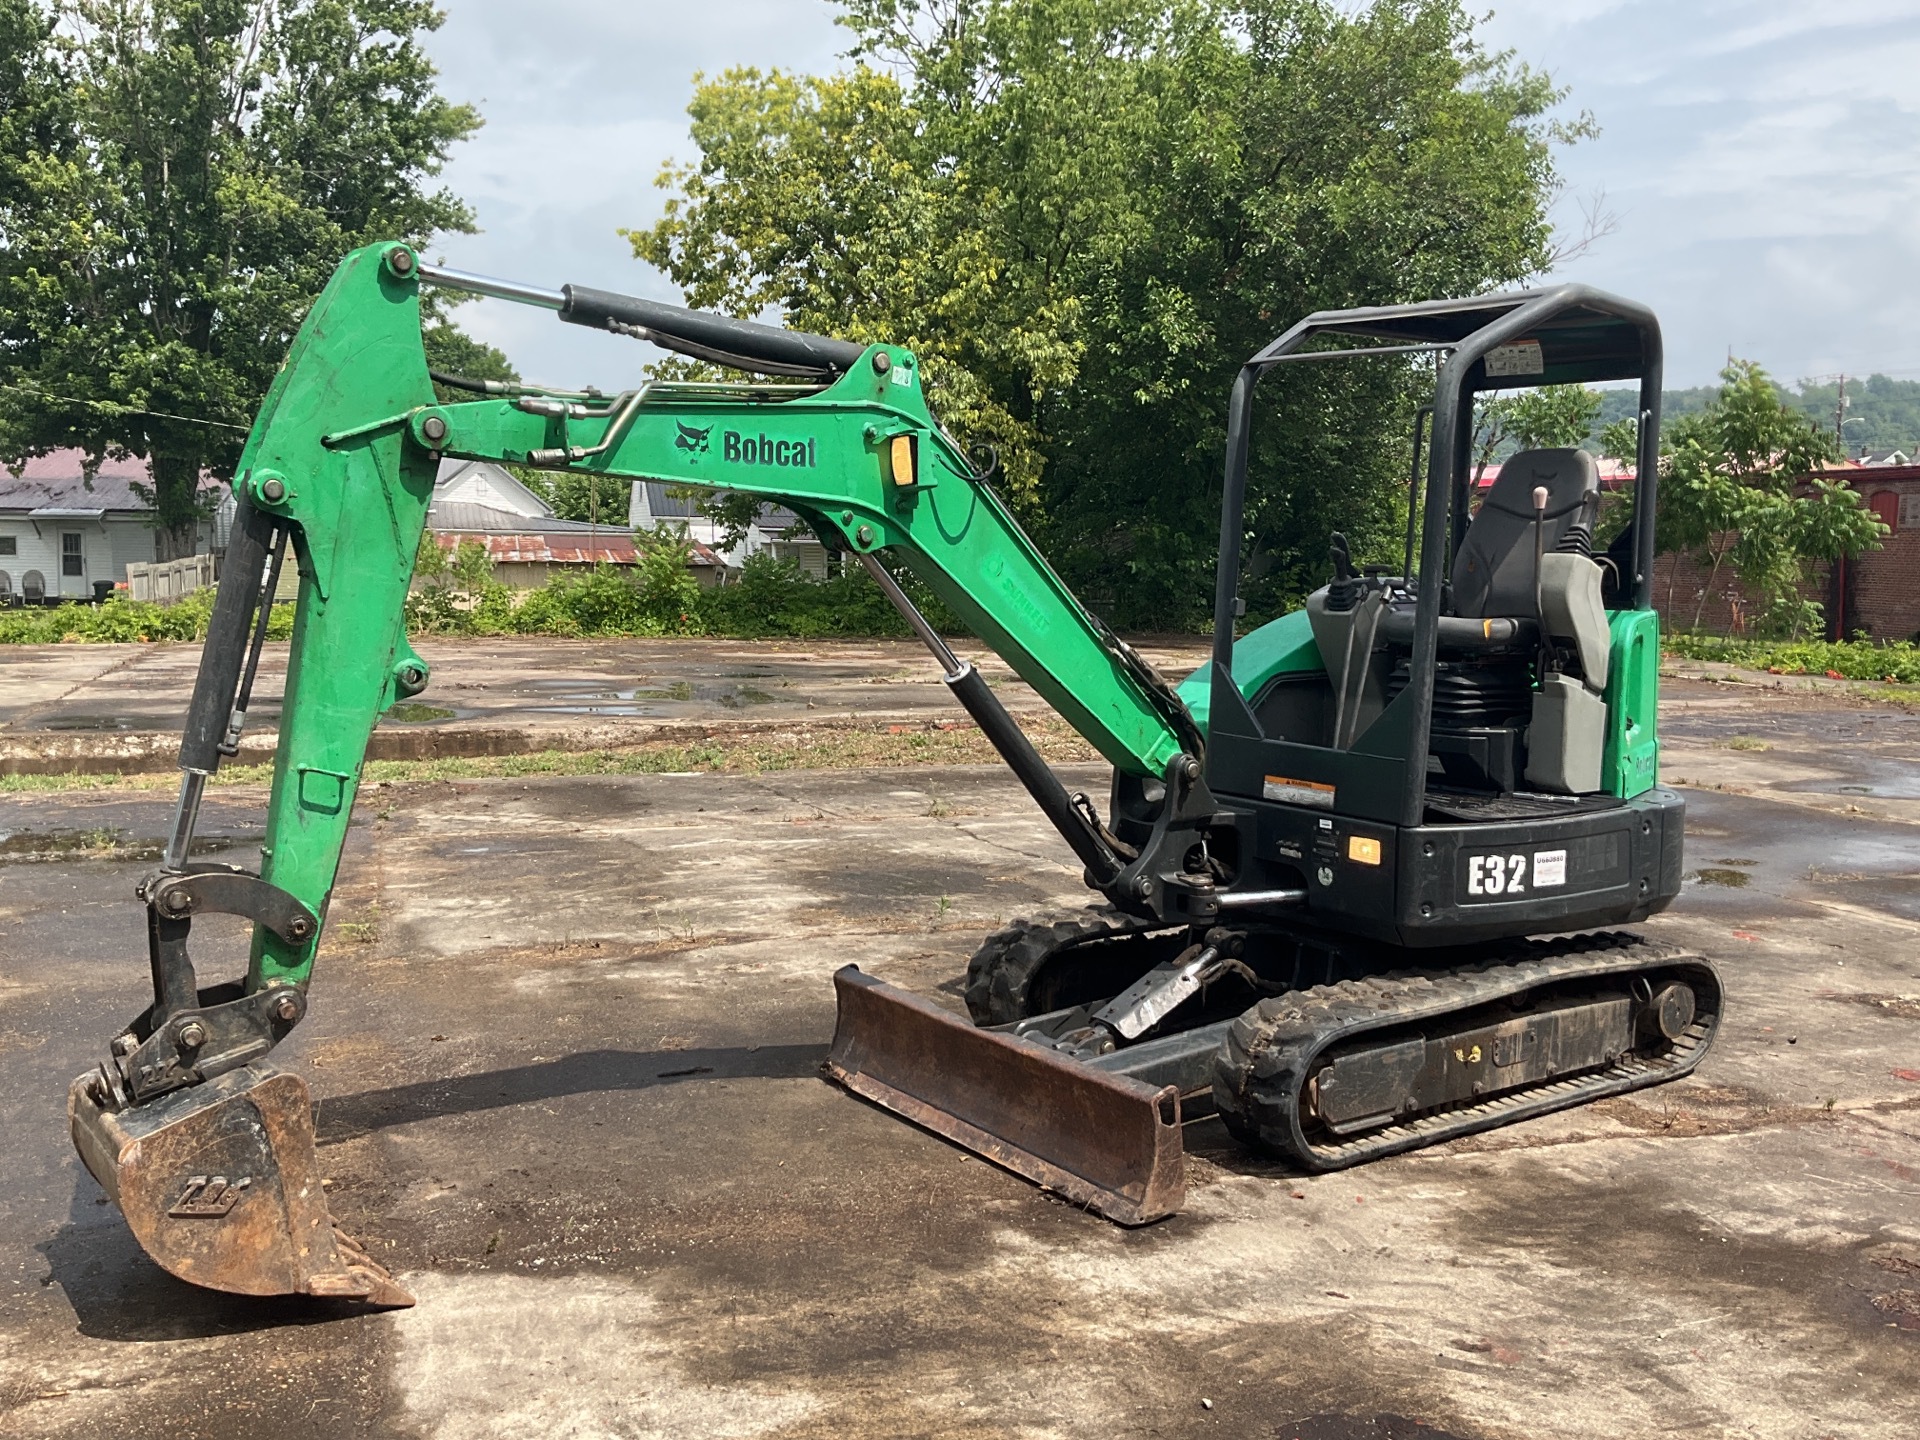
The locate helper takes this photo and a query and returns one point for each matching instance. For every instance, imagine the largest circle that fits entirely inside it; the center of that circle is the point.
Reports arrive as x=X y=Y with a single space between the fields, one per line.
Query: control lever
x=1540 y=497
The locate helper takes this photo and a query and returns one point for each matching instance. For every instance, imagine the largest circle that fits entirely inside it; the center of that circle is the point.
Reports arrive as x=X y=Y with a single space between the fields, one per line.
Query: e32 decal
x=1496 y=875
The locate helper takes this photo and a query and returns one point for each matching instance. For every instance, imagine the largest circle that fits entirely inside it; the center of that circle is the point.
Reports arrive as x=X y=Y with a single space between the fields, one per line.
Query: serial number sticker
x=1549 y=868
x=1298 y=792
x=1523 y=357
x=1497 y=875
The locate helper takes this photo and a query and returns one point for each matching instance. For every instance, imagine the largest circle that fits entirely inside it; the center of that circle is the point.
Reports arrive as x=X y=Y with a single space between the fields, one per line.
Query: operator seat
x=1494 y=575
x=1493 y=599
x=1490 y=634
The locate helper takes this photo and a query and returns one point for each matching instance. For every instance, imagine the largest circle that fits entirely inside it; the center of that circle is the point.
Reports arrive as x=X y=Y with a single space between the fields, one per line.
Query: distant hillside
x=1882 y=413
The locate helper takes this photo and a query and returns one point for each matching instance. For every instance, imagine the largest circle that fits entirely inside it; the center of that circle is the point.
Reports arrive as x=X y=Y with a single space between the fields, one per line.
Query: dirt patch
x=1706 y=1110
x=1720 y=875
x=1350 y=1427
x=1903 y=1305
x=1905 y=1007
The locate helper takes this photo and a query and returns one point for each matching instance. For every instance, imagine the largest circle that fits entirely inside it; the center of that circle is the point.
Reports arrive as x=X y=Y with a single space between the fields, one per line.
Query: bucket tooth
x=1107 y=1142
x=220 y=1184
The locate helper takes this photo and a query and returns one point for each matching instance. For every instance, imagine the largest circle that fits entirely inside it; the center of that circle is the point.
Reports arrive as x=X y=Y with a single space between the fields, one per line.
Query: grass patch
x=1896 y=662
x=837 y=748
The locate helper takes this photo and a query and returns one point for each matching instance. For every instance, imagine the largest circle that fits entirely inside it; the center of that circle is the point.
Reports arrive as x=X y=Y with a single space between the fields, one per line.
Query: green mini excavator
x=1360 y=875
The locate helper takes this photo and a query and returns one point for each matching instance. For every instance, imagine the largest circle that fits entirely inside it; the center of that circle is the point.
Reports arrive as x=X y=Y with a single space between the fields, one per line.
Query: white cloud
x=1763 y=160
x=1762 y=157
x=584 y=101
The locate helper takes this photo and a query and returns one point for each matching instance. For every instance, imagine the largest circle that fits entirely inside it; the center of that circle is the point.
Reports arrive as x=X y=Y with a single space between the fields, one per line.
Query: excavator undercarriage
x=1305 y=1049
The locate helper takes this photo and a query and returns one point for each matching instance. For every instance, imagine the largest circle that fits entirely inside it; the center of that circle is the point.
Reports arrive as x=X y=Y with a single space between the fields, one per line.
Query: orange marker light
x=1363 y=849
x=900 y=460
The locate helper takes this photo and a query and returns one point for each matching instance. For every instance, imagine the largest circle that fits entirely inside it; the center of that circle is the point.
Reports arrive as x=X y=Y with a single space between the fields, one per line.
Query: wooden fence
x=166 y=581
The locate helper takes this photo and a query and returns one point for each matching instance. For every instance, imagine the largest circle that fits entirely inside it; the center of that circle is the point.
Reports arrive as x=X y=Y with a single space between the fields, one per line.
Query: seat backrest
x=1493 y=573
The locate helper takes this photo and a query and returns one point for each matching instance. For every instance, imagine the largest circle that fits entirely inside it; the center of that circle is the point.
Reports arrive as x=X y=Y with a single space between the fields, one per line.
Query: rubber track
x=1002 y=970
x=1272 y=1049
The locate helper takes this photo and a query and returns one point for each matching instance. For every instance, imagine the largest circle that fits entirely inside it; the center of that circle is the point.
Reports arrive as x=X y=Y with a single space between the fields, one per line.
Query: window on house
x=72 y=560
x=9 y=544
x=1909 y=510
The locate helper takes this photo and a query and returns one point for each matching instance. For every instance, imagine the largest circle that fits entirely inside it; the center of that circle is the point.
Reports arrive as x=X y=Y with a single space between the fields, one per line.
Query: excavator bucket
x=1108 y=1142
x=220 y=1184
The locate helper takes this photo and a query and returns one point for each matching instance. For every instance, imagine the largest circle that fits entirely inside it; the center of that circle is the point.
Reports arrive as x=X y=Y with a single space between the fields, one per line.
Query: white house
x=482 y=502
x=776 y=531
x=63 y=535
x=480 y=482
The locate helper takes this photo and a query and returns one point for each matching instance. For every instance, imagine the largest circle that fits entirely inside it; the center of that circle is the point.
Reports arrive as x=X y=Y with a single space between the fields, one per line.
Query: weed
x=356 y=932
x=837 y=748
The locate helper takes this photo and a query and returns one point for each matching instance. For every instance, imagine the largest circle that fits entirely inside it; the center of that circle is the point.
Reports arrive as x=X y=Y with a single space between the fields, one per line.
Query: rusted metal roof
x=568 y=547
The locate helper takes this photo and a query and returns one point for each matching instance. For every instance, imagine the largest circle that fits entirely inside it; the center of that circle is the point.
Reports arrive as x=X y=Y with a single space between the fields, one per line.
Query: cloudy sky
x=1760 y=158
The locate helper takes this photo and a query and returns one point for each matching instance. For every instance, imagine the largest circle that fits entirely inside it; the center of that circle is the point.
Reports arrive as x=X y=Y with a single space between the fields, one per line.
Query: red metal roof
x=1613 y=475
x=606 y=548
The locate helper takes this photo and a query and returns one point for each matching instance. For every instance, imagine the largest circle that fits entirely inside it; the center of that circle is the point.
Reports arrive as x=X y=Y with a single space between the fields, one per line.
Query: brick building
x=1878 y=592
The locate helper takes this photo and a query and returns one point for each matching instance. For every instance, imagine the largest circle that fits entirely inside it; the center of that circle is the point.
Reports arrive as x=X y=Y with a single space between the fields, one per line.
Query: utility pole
x=1840 y=417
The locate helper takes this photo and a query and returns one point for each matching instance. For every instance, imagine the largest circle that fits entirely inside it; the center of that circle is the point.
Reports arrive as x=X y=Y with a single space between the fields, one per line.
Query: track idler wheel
x=220 y=1184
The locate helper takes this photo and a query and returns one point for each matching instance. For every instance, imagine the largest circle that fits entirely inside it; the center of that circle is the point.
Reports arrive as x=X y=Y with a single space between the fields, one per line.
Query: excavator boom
x=208 y=1151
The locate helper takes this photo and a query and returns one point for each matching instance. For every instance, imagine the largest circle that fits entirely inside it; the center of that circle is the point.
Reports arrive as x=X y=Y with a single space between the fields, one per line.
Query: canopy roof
x=1583 y=335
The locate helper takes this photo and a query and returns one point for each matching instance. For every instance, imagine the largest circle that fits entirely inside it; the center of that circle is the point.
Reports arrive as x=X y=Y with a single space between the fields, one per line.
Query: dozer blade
x=1108 y=1142
x=221 y=1186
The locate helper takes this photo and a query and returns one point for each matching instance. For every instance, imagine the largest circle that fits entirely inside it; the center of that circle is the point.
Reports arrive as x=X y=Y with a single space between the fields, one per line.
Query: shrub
x=120 y=620
x=1898 y=661
x=456 y=594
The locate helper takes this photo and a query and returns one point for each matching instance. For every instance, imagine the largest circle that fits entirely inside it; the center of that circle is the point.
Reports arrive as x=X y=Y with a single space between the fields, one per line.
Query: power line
x=115 y=407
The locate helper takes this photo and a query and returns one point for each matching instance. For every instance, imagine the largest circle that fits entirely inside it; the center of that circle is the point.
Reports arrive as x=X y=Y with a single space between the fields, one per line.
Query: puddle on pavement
x=86 y=722
x=103 y=842
x=410 y=712
x=1719 y=875
x=643 y=699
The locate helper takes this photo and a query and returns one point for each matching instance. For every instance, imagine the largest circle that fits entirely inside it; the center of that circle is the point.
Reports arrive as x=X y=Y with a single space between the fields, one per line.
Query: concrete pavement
x=565 y=1044
x=105 y=709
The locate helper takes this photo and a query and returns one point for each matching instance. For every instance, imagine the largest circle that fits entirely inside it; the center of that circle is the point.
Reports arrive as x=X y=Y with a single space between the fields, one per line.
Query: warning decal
x=1523 y=357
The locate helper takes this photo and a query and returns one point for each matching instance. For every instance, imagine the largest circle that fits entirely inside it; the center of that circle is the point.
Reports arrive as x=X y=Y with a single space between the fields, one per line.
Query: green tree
x=584 y=495
x=179 y=183
x=1734 y=494
x=1549 y=417
x=1085 y=214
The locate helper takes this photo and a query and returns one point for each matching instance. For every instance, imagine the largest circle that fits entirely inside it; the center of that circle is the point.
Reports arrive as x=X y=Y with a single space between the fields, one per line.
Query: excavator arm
x=209 y=1150
x=342 y=460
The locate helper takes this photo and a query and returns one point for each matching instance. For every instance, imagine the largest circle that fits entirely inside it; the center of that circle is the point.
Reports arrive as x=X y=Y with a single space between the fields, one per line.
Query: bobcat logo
x=691 y=439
